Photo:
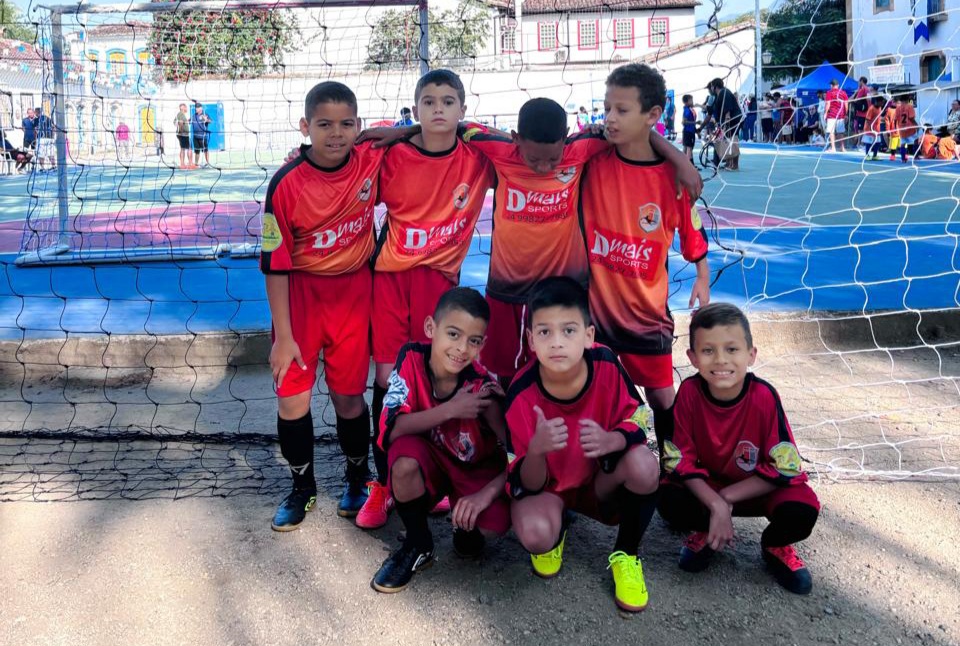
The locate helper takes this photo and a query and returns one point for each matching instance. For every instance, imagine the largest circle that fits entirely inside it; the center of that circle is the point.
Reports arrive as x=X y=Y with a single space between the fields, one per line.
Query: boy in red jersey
x=443 y=433
x=629 y=234
x=733 y=454
x=433 y=186
x=576 y=441
x=536 y=231
x=316 y=246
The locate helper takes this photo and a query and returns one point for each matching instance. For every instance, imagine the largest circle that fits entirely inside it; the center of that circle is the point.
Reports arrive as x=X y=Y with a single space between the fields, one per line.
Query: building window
x=885 y=60
x=882 y=5
x=587 y=34
x=931 y=67
x=547 y=36
x=117 y=62
x=510 y=39
x=623 y=33
x=659 y=32
x=144 y=57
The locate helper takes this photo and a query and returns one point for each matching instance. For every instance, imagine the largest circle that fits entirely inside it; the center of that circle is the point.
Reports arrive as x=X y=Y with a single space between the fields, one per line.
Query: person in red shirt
x=443 y=431
x=576 y=440
x=861 y=104
x=629 y=235
x=907 y=128
x=433 y=186
x=733 y=454
x=315 y=251
x=836 y=102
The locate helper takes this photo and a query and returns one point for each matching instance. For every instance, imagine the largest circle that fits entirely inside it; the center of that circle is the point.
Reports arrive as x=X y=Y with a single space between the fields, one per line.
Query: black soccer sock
x=662 y=426
x=379 y=455
x=296 y=446
x=354 y=437
x=790 y=522
x=636 y=510
x=414 y=517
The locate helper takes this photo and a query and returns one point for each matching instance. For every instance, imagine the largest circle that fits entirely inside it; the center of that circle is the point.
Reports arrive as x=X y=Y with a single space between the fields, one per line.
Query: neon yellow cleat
x=548 y=564
x=630 y=588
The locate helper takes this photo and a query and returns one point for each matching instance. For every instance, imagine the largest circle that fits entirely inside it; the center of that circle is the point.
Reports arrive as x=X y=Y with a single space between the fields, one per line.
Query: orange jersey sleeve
x=319 y=220
x=946 y=148
x=433 y=202
x=630 y=216
x=535 y=229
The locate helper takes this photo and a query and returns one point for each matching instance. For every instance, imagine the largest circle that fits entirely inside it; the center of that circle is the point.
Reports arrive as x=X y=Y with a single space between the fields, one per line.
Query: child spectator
x=817 y=139
x=872 y=139
x=907 y=128
x=583 y=119
x=123 y=140
x=576 y=441
x=433 y=187
x=947 y=146
x=316 y=247
x=443 y=429
x=890 y=123
x=733 y=454
x=689 y=127
x=928 y=144
x=629 y=234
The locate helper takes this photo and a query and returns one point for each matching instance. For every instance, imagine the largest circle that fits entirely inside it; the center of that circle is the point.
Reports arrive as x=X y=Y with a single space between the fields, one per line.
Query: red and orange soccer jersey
x=320 y=221
x=630 y=214
x=730 y=441
x=433 y=202
x=535 y=229
x=608 y=398
x=410 y=390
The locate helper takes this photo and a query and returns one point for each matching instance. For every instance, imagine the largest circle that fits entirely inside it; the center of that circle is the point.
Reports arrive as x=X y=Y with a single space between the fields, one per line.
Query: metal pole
x=424 y=38
x=59 y=126
x=758 y=76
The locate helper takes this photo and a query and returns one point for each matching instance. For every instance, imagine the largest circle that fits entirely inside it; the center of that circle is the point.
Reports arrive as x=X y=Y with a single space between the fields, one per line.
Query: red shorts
x=330 y=314
x=505 y=350
x=763 y=506
x=402 y=300
x=649 y=370
x=443 y=475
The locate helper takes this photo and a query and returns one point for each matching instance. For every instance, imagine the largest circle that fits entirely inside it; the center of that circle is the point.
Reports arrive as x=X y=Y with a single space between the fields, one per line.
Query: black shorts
x=184 y=141
x=200 y=143
x=689 y=139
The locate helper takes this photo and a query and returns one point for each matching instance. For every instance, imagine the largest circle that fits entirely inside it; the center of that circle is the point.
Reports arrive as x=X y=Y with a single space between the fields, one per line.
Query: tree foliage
x=455 y=36
x=13 y=25
x=802 y=34
x=234 y=44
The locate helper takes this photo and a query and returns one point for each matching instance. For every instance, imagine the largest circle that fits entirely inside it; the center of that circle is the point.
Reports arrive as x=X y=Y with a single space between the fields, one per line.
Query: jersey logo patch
x=786 y=459
x=364 y=193
x=671 y=456
x=745 y=456
x=461 y=195
x=650 y=217
x=397 y=391
x=695 y=217
x=270 y=236
x=566 y=174
x=641 y=417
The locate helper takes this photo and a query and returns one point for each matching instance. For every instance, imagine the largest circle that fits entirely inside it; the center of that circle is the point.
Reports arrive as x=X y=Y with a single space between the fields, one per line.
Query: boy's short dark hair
x=440 y=77
x=651 y=88
x=328 y=92
x=463 y=299
x=834 y=83
x=542 y=121
x=714 y=314
x=558 y=291
x=686 y=97
x=863 y=79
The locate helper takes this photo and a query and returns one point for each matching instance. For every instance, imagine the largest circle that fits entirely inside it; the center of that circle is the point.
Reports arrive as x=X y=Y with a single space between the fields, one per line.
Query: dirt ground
x=163 y=537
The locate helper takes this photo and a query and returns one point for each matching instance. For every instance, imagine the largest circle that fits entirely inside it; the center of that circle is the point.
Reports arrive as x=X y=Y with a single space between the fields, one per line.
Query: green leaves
x=802 y=34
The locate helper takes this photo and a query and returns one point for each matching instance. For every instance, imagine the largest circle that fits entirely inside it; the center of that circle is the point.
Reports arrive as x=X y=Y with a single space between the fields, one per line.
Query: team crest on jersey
x=566 y=174
x=745 y=456
x=465 y=449
x=461 y=195
x=786 y=459
x=364 y=193
x=695 y=217
x=670 y=457
x=397 y=391
x=270 y=236
x=650 y=217
x=642 y=417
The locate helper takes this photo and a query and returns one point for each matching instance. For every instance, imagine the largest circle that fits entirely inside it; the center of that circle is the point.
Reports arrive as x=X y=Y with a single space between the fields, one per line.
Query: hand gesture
x=293 y=154
x=468 y=405
x=550 y=435
x=282 y=354
x=494 y=388
x=720 y=534
x=594 y=440
x=700 y=292
x=467 y=509
x=382 y=136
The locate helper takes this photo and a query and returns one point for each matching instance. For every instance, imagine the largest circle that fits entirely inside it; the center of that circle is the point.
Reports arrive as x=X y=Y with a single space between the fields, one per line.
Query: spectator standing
x=861 y=103
x=836 y=101
x=953 y=118
x=583 y=119
x=822 y=110
x=182 y=123
x=750 y=122
x=728 y=117
x=766 y=118
x=787 y=114
x=406 y=118
x=200 y=123
x=29 y=124
x=45 y=148
x=597 y=116
x=123 y=141
x=669 y=120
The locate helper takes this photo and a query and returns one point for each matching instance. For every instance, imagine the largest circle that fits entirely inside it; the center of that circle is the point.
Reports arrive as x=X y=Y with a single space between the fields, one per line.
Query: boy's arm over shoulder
x=781 y=463
x=679 y=454
x=494 y=144
x=693 y=237
x=584 y=145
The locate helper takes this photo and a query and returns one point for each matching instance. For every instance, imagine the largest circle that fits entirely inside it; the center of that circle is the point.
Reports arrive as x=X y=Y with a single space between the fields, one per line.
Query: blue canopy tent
x=819 y=81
